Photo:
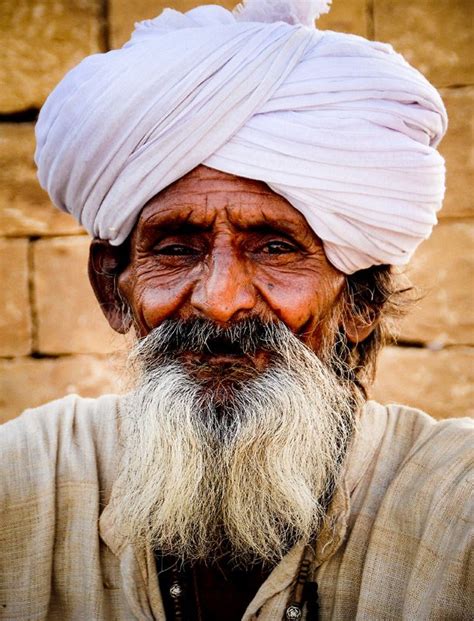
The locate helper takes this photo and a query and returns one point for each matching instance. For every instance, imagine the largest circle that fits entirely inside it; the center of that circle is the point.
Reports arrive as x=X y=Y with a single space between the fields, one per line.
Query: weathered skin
x=221 y=247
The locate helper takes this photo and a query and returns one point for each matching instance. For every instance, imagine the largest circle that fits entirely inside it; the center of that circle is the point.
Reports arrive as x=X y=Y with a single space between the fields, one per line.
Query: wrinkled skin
x=220 y=247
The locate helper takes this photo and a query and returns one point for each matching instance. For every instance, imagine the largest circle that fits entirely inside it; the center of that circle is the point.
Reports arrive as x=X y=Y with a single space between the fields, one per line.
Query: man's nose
x=225 y=288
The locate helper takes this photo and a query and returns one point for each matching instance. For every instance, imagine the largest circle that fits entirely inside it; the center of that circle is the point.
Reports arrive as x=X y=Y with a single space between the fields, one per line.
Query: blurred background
x=53 y=338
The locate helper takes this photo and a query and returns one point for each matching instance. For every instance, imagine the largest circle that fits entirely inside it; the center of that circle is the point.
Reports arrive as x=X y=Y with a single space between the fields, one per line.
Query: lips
x=222 y=358
x=219 y=346
x=197 y=342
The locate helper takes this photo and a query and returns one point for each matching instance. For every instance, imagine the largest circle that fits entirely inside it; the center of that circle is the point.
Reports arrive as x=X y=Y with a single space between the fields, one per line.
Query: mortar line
x=455 y=86
x=370 y=11
x=48 y=236
x=427 y=345
x=105 y=24
x=60 y=356
x=27 y=115
x=32 y=298
x=447 y=219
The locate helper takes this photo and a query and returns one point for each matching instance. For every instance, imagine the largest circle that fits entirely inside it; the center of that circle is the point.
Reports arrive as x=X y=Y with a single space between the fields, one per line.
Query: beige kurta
x=397 y=545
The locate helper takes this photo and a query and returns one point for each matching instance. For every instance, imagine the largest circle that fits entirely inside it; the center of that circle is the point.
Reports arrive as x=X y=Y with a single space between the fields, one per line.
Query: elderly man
x=249 y=182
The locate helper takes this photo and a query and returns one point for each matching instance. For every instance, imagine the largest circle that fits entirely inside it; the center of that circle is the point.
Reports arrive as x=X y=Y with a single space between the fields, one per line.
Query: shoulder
x=411 y=436
x=71 y=417
x=412 y=514
x=437 y=446
x=59 y=439
x=433 y=482
x=405 y=452
x=422 y=532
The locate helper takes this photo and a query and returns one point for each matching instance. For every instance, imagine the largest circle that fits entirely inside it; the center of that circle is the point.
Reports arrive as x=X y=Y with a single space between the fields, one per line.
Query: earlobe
x=358 y=328
x=106 y=262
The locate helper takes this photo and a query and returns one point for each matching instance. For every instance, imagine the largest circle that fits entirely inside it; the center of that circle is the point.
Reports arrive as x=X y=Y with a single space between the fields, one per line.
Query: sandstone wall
x=53 y=338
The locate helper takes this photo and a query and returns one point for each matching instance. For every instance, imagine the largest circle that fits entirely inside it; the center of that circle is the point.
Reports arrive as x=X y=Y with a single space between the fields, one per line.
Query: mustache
x=203 y=336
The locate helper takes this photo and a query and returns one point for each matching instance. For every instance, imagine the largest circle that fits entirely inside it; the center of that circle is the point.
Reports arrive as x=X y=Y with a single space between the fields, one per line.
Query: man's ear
x=106 y=262
x=357 y=327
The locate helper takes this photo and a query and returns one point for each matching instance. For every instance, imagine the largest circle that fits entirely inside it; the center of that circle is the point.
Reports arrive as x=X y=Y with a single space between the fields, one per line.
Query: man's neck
x=224 y=591
x=209 y=591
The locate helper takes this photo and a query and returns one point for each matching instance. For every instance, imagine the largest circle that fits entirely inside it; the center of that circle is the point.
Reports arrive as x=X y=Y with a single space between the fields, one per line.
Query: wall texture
x=53 y=338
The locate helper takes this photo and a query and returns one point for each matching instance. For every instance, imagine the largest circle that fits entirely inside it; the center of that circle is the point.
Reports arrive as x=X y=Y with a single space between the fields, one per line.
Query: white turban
x=340 y=126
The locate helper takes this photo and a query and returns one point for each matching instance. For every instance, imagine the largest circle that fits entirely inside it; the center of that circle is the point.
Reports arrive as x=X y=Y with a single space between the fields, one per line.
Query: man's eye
x=278 y=247
x=176 y=250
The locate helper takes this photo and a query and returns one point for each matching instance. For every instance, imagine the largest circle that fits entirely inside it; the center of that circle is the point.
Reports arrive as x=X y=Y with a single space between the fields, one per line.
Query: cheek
x=154 y=298
x=159 y=303
x=301 y=299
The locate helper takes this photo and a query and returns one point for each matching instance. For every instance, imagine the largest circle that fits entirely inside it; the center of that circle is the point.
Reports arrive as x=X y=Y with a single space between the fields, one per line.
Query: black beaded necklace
x=178 y=588
x=304 y=592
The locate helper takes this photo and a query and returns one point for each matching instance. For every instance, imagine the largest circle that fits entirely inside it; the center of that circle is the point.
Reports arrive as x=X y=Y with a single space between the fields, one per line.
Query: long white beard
x=253 y=478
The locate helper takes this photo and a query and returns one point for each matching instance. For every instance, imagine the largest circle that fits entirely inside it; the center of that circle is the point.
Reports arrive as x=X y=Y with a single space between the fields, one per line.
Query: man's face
x=223 y=248
x=235 y=430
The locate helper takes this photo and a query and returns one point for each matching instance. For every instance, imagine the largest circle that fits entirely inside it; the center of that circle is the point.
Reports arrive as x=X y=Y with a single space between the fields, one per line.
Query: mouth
x=246 y=347
x=222 y=347
x=220 y=356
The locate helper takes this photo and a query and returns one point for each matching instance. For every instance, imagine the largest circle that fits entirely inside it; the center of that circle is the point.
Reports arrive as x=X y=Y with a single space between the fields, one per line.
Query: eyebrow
x=183 y=227
x=280 y=228
x=186 y=228
x=183 y=224
x=168 y=222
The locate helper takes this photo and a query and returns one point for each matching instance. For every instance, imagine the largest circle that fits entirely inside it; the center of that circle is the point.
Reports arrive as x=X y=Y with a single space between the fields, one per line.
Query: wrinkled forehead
x=205 y=196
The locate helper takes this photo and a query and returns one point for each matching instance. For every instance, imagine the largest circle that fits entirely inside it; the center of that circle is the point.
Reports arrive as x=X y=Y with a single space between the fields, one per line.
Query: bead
x=175 y=590
x=293 y=612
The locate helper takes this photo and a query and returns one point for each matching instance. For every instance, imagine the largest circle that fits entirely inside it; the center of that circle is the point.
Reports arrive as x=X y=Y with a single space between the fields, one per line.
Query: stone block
x=458 y=149
x=25 y=208
x=439 y=382
x=68 y=315
x=28 y=382
x=15 y=317
x=436 y=37
x=442 y=270
x=41 y=40
x=346 y=16
x=123 y=14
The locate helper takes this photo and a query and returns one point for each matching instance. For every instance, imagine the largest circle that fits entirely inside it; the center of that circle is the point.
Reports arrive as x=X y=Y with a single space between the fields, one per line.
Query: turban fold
x=342 y=127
